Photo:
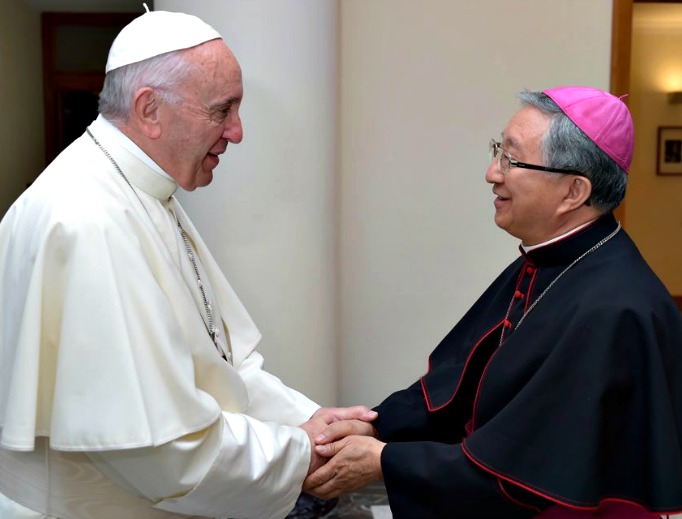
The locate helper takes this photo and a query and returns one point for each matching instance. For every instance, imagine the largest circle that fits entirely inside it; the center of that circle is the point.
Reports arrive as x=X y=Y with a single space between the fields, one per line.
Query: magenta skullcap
x=155 y=33
x=602 y=116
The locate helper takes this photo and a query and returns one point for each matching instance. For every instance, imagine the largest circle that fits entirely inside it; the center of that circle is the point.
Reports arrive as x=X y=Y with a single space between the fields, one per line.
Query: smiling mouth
x=499 y=201
x=213 y=158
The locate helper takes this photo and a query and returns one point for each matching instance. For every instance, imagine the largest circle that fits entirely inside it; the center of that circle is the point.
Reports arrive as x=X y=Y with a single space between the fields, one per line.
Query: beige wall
x=21 y=98
x=424 y=86
x=654 y=203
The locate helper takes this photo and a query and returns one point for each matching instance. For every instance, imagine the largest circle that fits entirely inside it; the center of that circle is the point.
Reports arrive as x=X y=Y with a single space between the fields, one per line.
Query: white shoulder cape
x=101 y=344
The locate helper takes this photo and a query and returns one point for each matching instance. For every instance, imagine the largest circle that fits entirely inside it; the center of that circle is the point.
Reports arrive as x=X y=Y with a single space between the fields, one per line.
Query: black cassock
x=581 y=402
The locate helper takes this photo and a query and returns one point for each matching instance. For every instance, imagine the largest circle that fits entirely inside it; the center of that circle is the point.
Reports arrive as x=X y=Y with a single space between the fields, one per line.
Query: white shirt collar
x=133 y=148
x=528 y=248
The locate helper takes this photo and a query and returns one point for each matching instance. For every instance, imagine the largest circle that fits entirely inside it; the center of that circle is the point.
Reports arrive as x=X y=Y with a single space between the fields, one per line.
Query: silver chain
x=210 y=326
x=579 y=258
x=118 y=169
x=213 y=332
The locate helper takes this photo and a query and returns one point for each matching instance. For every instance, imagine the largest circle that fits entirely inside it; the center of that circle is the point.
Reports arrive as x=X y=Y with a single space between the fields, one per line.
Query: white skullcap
x=155 y=33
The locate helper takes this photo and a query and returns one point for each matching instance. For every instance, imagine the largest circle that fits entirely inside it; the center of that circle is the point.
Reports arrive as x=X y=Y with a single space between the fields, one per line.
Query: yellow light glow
x=671 y=80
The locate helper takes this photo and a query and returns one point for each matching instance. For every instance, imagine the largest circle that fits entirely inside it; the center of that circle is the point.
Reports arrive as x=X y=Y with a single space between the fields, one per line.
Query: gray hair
x=566 y=146
x=163 y=73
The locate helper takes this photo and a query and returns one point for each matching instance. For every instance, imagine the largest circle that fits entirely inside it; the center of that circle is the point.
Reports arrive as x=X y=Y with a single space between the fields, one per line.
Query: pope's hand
x=341 y=429
x=336 y=414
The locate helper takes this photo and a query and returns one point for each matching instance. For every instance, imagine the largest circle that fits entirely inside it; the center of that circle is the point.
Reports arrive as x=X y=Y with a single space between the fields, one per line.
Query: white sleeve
x=238 y=468
x=269 y=398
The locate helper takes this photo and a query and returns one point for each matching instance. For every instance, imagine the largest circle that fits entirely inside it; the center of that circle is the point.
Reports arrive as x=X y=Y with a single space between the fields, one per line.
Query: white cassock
x=114 y=401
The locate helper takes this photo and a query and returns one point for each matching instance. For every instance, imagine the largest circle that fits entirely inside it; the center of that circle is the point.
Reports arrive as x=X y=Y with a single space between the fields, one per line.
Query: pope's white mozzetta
x=77 y=392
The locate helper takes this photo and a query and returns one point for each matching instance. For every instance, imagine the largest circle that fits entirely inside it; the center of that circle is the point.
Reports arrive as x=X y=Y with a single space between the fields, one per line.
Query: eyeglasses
x=505 y=161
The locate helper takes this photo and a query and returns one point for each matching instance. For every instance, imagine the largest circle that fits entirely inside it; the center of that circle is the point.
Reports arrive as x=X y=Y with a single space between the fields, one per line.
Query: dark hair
x=566 y=146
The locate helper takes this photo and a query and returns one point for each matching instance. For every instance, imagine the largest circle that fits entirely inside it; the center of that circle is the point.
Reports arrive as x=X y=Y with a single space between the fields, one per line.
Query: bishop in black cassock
x=559 y=393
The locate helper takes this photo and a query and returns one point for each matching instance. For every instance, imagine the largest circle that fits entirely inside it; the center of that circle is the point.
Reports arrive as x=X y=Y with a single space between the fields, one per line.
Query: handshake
x=345 y=452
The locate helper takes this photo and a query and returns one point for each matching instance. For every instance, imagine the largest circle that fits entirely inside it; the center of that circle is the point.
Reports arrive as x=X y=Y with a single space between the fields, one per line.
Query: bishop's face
x=527 y=200
x=198 y=129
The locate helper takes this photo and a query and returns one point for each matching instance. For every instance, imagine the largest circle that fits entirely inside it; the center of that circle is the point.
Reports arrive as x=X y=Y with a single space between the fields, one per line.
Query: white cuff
x=257 y=474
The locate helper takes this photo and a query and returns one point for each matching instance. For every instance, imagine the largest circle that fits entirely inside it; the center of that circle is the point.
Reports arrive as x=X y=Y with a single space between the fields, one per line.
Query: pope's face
x=527 y=200
x=196 y=130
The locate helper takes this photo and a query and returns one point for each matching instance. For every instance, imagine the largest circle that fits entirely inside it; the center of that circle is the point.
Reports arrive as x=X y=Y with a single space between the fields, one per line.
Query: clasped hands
x=346 y=455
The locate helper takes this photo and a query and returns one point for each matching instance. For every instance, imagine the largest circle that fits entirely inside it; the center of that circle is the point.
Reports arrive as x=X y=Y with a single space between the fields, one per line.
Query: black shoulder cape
x=579 y=403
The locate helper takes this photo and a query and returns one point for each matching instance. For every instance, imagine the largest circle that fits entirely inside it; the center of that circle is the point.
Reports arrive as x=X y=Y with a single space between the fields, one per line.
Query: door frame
x=621 y=56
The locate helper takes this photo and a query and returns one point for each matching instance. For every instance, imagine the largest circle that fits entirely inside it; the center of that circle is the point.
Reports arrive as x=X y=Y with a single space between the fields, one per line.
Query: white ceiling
x=89 y=6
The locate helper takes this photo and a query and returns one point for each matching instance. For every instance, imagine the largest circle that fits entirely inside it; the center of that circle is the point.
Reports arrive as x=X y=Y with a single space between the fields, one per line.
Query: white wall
x=423 y=87
x=22 y=134
x=268 y=216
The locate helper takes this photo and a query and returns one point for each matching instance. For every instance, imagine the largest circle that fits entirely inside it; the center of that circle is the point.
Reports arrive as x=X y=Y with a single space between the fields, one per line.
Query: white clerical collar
x=528 y=248
x=133 y=148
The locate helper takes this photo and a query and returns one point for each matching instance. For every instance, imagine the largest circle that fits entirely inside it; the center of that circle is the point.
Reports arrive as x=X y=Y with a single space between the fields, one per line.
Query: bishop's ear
x=146 y=103
x=578 y=194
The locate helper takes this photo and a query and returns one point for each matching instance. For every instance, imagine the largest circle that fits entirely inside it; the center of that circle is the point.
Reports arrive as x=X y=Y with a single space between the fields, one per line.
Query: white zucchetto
x=155 y=33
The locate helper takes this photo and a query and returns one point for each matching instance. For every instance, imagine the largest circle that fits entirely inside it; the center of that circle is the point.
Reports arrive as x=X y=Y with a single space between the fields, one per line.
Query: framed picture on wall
x=669 y=155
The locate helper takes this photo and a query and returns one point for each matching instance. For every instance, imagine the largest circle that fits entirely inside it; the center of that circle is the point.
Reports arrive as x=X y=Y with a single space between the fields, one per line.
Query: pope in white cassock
x=129 y=383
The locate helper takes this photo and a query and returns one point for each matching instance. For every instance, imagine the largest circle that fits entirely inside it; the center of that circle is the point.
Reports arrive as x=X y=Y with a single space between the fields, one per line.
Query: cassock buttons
x=530 y=270
x=518 y=295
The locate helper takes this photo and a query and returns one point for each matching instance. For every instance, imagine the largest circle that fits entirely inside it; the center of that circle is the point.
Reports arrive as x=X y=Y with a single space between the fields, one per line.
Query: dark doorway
x=75 y=48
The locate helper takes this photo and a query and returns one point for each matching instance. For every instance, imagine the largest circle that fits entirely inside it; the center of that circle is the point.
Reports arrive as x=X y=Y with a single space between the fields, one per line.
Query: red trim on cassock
x=531 y=286
x=514 y=500
x=527 y=302
x=559 y=500
x=478 y=388
x=466 y=364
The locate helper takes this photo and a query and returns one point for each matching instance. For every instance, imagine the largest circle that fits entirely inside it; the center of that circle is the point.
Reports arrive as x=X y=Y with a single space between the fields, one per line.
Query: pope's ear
x=146 y=105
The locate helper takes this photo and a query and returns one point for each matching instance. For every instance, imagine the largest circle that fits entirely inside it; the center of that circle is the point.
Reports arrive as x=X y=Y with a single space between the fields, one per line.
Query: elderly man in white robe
x=129 y=383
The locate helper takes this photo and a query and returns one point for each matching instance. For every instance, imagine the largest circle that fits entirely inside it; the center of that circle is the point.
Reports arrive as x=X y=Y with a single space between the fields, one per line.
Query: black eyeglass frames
x=505 y=161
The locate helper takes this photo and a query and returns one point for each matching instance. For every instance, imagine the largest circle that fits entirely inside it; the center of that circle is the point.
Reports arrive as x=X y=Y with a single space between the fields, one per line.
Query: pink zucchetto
x=155 y=33
x=603 y=117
